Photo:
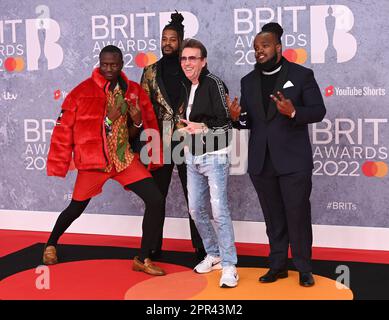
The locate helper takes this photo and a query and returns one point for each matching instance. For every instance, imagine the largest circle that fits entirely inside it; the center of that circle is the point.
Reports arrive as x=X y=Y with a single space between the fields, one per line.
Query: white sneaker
x=208 y=264
x=229 y=278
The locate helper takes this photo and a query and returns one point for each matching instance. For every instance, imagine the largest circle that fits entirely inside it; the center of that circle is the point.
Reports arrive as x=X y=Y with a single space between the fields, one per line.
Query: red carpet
x=98 y=267
x=79 y=280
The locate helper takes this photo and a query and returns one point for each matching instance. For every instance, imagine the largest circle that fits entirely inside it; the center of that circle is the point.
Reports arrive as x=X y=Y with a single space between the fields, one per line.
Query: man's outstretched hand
x=193 y=127
x=234 y=108
x=134 y=111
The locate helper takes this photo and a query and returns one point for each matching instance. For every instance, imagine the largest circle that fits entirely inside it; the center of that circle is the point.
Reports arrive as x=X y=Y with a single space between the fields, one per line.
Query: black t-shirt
x=268 y=84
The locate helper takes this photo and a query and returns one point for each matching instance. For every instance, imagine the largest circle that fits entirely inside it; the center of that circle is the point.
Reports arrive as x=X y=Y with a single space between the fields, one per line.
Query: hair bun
x=176 y=24
x=177 y=18
x=273 y=27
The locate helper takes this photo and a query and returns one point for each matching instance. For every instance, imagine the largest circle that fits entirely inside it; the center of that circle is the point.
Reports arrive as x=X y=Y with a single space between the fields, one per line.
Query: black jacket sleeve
x=217 y=94
x=313 y=109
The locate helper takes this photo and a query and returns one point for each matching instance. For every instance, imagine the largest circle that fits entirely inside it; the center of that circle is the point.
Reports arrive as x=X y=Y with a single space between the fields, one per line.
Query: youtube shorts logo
x=329 y=91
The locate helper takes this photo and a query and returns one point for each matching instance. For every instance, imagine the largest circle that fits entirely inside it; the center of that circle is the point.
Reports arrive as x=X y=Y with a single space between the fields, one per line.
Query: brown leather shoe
x=50 y=255
x=147 y=267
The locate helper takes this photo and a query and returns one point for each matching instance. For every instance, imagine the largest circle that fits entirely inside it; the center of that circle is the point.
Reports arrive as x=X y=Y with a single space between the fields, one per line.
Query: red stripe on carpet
x=14 y=240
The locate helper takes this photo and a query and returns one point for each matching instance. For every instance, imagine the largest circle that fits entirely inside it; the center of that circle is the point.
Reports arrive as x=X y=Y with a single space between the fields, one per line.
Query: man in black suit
x=278 y=101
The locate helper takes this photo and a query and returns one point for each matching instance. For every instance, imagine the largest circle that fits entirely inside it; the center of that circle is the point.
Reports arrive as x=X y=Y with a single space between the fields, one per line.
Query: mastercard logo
x=12 y=64
x=145 y=59
x=296 y=55
x=377 y=169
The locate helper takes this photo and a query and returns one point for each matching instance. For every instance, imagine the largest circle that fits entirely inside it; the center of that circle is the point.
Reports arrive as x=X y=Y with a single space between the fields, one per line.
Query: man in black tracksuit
x=208 y=123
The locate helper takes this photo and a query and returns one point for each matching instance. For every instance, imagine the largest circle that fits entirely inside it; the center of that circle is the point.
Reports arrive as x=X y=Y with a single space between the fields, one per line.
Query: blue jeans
x=209 y=173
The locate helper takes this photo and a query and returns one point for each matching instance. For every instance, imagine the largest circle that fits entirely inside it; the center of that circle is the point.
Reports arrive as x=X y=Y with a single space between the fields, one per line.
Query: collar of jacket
x=282 y=63
x=104 y=83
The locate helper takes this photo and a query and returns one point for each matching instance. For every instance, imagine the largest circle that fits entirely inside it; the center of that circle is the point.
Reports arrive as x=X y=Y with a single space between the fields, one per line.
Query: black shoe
x=200 y=253
x=272 y=275
x=306 y=279
x=155 y=254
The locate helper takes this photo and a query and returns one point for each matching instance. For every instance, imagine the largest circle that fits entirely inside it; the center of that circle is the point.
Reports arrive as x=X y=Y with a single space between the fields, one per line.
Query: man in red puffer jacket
x=97 y=119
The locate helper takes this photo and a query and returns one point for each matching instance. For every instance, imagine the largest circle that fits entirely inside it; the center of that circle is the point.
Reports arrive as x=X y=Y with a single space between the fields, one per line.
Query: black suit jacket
x=287 y=139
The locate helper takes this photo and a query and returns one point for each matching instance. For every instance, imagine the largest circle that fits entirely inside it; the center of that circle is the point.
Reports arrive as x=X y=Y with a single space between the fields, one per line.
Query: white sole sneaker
x=217 y=266
x=230 y=285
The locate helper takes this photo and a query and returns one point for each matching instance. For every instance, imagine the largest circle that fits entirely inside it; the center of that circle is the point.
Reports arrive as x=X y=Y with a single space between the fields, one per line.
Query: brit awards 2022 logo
x=36 y=49
x=137 y=34
x=329 y=33
x=346 y=147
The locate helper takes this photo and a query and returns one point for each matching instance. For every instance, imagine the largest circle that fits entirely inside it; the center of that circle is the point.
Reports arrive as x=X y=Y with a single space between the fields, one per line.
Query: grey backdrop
x=342 y=193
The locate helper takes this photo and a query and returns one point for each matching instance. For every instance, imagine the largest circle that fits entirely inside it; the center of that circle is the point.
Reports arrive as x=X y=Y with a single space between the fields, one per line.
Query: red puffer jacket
x=80 y=128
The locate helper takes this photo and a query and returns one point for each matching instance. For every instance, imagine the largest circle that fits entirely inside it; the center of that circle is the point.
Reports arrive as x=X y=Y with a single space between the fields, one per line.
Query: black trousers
x=163 y=177
x=152 y=223
x=286 y=208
